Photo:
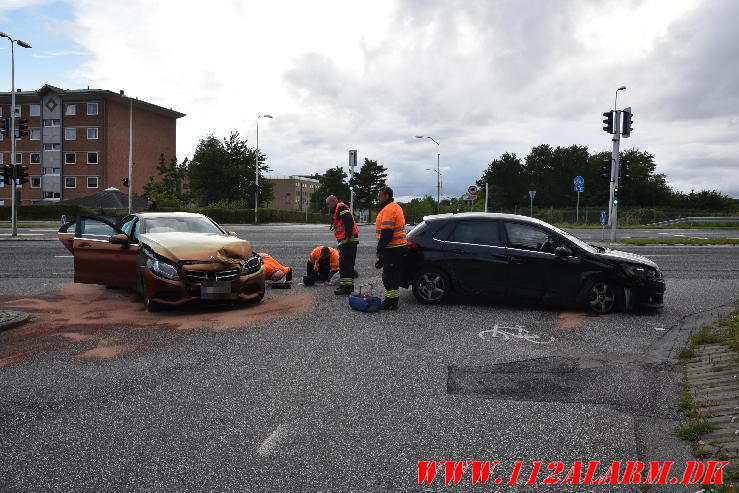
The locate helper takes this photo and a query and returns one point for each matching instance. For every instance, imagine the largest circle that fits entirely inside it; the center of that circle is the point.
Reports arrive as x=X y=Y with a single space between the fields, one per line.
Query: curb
x=10 y=319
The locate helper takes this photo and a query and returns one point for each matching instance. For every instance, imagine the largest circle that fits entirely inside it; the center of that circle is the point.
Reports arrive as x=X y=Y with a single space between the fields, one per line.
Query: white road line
x=63 y=256
x=22 y=234
x=270 y=443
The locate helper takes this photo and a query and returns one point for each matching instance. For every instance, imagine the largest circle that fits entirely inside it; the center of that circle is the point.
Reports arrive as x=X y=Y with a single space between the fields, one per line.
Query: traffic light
x=608 y=121
x=615 y=196
x=125 y=182
x=605 y=169
x=7 y=174
x=21 y=173
x=22 y=127
x=5 y=127
x=625 y=170
x=627 y=125
x=351 y=184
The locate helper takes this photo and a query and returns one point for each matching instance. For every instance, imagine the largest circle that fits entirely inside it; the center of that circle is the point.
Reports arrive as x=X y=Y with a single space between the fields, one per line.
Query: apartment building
x=292 y=192
x=78 y=142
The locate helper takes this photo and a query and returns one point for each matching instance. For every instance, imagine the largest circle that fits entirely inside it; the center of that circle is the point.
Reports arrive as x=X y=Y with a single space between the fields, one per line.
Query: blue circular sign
x=579 y=180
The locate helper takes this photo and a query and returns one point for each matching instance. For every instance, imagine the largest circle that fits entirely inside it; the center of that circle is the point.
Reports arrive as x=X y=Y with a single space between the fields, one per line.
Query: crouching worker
x=323 y=263
x=275 y=271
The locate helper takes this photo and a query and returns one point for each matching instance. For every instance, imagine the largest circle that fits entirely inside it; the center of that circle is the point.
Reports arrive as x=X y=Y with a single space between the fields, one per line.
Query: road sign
x=602 y=217
x=579 y=188
x=579 y=180
x=472 y=190
x=532 y=193
x=352 y=158
x=469 y=196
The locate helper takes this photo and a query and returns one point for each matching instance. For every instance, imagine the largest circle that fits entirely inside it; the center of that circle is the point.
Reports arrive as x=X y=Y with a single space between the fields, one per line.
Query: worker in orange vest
x=273 y=270
x=391 y=245
x=347 y=236
x=323 y=263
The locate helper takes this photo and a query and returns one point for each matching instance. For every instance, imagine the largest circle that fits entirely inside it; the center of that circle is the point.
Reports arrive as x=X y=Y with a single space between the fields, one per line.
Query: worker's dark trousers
x=392 y=263
x=347 y=258
x=324 y=272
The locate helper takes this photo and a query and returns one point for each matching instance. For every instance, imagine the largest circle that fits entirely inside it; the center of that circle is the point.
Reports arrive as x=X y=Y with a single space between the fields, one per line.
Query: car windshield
x=574 y=239
x=180 y=225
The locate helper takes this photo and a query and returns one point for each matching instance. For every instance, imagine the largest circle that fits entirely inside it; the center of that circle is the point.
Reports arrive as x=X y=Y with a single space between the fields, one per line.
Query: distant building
x=292 y=192
x=78 y=142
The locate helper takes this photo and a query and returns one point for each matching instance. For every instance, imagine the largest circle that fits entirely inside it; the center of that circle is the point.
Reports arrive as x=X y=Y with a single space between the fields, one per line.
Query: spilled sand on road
x=81 y=314
x=571 y=320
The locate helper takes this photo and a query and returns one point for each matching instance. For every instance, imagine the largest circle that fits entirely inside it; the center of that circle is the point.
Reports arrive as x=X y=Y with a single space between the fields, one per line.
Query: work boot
x=355 y=274
x=344 y=289
x=389 y=304
x=289 y=276
x=309 y=280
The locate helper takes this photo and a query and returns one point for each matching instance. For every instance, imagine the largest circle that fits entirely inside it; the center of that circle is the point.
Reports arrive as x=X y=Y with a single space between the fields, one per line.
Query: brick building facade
x=292 y=193
x=78 y=142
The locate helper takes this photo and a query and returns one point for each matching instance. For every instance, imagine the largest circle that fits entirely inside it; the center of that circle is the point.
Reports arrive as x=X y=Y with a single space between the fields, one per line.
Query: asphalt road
x=328 y=399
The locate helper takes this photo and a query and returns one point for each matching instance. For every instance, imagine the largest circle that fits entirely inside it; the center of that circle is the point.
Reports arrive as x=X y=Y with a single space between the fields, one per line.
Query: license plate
x=217 y=289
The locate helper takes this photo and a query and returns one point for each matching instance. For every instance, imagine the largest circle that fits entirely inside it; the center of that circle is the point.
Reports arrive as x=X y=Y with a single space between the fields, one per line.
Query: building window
x=70 y=158
x=92 y=109
x=70 y=109
x=52 y=123
x=36 y=133
x=35 y=182
x=18 y=158
x=35 y=158
x=52 y=147
x=52 y=195
x=71 y=182
x=70 y=133
x=92 y=158
x=92 y=182
x=92 y=133
x=34 y=110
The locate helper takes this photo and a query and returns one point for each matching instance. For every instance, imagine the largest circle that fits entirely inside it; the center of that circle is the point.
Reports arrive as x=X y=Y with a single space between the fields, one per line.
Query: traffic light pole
x=14 y=205
x=614 y=173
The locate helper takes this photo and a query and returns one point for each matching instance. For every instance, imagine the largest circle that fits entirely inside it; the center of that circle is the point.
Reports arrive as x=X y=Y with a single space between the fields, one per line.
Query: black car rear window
x=476 y=233
x=444 y=231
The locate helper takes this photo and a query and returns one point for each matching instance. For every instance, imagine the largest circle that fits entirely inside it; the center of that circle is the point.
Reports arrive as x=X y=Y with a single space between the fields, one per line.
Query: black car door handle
x=514 y=260
x=457 y=250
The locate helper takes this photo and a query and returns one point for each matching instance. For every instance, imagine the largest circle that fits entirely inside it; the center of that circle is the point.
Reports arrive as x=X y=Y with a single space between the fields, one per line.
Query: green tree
x=332 y=182
x=419 y=207
x=223 y=171
x=508 y=184
x=166 y=190
x=370 y=178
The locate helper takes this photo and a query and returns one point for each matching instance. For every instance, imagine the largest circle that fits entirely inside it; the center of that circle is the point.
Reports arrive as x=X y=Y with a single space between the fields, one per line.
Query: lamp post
x=438 y=171
x=23 y=44
x=256 y=171
x=441 y=177
x=613 y=216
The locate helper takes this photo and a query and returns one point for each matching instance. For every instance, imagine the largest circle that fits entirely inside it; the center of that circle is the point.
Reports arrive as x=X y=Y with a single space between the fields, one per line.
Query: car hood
x=198 y=246
x=620 y=256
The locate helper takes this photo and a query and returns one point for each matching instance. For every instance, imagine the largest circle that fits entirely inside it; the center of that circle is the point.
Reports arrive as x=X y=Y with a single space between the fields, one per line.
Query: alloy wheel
x=602 y=298
x=431 y=286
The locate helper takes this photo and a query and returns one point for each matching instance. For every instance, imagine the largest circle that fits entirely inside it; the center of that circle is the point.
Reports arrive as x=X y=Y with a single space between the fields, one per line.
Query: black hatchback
x=510 y=256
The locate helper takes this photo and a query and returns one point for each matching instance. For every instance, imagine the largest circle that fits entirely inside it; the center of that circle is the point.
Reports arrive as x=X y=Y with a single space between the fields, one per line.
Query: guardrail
x=697 y=220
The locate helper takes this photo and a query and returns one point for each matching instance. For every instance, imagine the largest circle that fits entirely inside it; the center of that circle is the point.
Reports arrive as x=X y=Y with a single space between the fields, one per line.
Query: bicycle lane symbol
x=515 y=332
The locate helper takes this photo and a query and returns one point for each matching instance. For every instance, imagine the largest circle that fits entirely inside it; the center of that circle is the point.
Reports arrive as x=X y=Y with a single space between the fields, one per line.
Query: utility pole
x=614 y=173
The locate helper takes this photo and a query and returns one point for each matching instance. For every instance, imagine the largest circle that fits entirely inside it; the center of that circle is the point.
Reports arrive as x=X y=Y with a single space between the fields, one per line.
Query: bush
x=246 y=216
x=46 y=212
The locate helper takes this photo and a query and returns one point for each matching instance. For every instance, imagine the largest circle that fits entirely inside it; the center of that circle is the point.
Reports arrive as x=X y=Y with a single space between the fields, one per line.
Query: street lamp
x=22 y=44
x=616 y=98
x=438 y=171
x=256 y=171
x=441 y=177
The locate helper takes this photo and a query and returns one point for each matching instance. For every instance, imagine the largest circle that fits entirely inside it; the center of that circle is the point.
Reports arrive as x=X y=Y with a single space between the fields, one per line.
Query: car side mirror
x=232 y=233
x=119 y=239
x=562 y=251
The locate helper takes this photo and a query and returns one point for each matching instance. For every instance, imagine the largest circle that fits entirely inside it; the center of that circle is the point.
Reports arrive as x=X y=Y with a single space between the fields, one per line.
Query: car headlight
x=163 y=269
x=635 y=271
x=251 y=265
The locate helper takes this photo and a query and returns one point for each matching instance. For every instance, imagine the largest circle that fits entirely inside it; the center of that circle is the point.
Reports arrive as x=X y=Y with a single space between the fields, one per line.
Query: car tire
x=149 y=305
x=604 y=297
x=431 y=286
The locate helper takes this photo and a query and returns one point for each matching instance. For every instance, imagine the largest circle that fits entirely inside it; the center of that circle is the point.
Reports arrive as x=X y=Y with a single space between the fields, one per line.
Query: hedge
x=48 y=212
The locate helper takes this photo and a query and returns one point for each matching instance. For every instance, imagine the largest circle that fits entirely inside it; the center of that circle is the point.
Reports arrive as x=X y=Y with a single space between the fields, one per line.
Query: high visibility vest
x=271 y=265
x=391 y=217
x=338 y=226
x=315 y=257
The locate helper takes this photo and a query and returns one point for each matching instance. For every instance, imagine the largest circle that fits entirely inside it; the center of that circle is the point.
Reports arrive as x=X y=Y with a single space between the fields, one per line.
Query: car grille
x=212 y=275
x=252 y=264
x=654 y=275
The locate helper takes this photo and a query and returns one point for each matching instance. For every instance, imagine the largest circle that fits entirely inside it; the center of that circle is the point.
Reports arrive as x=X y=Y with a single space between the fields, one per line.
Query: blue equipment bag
x=364 y=302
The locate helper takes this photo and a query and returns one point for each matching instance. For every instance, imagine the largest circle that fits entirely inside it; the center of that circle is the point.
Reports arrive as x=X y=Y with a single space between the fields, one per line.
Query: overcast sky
x=481 y=77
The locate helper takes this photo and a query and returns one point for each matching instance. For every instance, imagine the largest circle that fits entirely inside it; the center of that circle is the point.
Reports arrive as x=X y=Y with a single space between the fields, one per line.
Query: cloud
x=481 y=77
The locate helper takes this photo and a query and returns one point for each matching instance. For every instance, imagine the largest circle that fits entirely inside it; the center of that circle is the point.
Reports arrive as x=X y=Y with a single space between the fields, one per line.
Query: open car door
x=96 y=259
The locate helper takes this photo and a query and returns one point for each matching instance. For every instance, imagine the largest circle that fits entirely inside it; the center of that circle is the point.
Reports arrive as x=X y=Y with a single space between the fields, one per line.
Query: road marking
x=43 y=230
x=72 y=256
x=270 y=443
x=520 y=333
x=22 y=234
x=659 y=328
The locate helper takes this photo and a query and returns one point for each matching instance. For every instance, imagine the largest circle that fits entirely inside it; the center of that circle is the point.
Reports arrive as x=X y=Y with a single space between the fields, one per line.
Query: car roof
x=484 y=215
x=149 y=215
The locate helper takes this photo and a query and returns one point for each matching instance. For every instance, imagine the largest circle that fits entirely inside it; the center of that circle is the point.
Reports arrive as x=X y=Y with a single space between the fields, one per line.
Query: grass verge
x=681 y=241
